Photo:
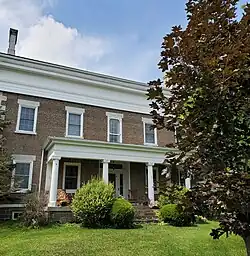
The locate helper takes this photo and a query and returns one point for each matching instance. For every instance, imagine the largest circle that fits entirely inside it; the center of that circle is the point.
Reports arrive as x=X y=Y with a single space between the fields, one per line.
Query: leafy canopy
x=206 y=68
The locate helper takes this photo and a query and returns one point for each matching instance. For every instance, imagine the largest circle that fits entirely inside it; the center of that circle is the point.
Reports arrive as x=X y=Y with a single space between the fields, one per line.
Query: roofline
x=13 y=61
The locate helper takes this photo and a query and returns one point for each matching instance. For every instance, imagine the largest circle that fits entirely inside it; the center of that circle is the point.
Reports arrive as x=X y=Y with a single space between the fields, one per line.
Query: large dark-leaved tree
x=6 y=163
x=207 y=70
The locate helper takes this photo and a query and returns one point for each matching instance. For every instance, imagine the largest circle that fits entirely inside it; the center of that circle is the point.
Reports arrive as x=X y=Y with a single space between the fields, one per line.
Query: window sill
x=70 y=191
x=26 y=132
x=151 y=144
x=72 y=136
x=21 y=191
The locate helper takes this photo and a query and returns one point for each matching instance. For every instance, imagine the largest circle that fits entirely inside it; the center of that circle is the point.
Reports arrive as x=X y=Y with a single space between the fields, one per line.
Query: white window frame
x=149 y=121
x=155 y=169
x=77 y=111
x=118 y=117
x=13 y=214
x=27 y=104
x=78 y=176
x=27 y=159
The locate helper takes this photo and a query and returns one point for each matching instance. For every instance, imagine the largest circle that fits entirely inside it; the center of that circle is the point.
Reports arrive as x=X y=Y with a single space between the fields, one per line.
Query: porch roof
x=91 y=149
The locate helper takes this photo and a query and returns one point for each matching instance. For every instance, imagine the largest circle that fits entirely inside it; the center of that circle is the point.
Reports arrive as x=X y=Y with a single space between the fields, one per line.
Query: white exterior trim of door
x=118 y=173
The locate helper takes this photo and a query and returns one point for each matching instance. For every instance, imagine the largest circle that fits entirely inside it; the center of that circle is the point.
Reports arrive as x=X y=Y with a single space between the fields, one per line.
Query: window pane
x=71 y=177
x=27 y=119
x=74 y=126
x=22 y=175
x=114 y=126
x=114 y=138
x=74 y=119
x=149 y=134
x=74 y=130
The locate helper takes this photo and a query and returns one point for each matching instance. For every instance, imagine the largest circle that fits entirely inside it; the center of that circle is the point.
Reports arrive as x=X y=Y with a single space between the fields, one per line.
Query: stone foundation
x=60 y=214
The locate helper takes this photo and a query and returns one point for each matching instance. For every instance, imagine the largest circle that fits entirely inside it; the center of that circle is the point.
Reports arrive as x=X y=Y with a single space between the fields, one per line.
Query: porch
x=133 y=169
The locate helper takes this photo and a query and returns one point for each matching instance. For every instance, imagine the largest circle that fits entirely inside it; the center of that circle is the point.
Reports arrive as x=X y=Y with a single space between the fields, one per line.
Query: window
x=150 y=133
x=74 y=122
x=114 y=127
x=22 y=174
x=155 y=178
x=27 y=116
x=16 y=215
x=71 y=177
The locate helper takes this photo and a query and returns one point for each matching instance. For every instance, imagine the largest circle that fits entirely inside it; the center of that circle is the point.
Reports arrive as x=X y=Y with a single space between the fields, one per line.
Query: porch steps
x=145 y=214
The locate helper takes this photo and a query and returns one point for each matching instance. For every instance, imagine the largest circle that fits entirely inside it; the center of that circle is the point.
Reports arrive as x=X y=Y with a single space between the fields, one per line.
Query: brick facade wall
x=52 y=121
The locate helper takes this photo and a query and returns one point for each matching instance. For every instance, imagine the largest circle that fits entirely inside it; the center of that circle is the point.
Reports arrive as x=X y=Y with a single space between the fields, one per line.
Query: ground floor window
x=71 y=177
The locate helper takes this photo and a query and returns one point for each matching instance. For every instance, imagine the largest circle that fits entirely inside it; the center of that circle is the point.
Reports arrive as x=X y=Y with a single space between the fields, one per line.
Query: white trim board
x=85 y=149
x=46 y=80
x=12 y=205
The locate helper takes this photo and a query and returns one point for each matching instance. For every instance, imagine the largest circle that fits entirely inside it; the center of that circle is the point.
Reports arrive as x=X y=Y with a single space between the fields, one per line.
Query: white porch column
x=188 y=182
x=48 y=176
x=54 y=182
x=105 y=170
x=151 y=194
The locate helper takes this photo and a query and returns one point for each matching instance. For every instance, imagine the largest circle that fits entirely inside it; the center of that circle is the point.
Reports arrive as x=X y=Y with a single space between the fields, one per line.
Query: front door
x=117 y=179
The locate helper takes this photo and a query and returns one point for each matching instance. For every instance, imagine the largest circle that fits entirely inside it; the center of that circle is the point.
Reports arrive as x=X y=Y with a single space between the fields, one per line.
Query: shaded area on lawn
x=155 y=240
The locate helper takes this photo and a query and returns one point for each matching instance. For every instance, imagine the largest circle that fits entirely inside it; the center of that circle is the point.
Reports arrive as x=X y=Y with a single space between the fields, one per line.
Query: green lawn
x=148 y=240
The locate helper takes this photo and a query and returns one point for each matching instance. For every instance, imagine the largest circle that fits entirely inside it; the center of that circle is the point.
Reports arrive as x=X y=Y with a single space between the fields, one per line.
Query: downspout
x=41 y=171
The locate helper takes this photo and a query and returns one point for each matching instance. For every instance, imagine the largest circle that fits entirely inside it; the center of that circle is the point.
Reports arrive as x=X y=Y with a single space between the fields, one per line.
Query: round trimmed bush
x=122 y=213
x=173 y=215
x=92 y=203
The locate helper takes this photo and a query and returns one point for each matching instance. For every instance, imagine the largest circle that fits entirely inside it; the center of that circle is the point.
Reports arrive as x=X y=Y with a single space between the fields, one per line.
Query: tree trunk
x=247 y=244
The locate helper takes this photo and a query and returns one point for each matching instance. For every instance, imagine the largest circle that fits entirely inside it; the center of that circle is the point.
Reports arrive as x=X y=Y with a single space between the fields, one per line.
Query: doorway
x=116 y=177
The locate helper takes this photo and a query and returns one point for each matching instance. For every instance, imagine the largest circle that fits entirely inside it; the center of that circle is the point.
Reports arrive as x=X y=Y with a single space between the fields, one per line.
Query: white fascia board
x=82 y=149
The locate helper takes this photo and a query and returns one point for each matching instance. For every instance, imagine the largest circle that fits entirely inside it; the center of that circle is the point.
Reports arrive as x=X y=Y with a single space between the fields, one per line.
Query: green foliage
x=6 y=163
x=173 y=195
x=34 y=215
x=174 y=215
x=92 y=203
x=122 y=213
x=208 y=80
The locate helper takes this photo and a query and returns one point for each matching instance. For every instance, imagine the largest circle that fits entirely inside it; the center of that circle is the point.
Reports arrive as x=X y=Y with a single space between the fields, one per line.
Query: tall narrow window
x=114 y=130
x=114 y=127
x=71 y=177
x=150 y=133
x=74 y=122
x=27 y=116
x=22 y=174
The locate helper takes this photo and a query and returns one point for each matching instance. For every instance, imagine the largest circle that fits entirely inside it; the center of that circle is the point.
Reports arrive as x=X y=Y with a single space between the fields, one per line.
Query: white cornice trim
x=54 y=69
x=46 y=80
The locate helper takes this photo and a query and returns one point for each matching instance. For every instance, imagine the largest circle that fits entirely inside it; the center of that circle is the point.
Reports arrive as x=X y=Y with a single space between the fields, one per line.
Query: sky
x=114 y=37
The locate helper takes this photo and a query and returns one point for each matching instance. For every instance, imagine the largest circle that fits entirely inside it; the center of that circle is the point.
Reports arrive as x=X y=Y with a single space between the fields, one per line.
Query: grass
x=153 y=240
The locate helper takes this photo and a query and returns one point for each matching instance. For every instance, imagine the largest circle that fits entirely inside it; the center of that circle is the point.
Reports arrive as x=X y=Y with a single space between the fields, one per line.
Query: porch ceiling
x=89 y=149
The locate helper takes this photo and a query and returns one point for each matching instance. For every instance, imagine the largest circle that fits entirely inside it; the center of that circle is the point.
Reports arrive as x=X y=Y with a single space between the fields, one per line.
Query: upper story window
x=114 y=127
x=22 y=174
x=150 y=133
x=74 y=121
x=27 y=116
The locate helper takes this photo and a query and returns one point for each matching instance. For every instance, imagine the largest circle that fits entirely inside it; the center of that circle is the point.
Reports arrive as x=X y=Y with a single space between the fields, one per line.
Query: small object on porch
x=62 y=198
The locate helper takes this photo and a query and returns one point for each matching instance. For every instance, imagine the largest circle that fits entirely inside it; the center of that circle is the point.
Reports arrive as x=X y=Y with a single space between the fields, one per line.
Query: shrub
x=173 y=195
x=92 y=203
x=163 y=200
x=174 y=215
x=34 y=214
x=122 y=213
